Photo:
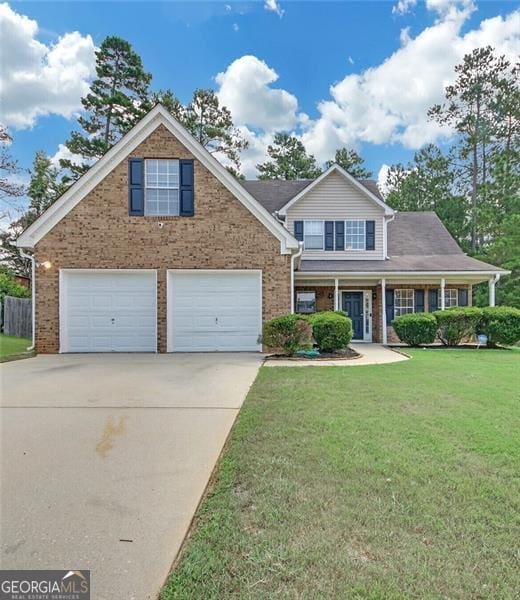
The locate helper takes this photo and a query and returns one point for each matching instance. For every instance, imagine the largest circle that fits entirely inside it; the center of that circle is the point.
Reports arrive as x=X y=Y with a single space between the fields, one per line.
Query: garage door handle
x=113 y=320
x=216 y=320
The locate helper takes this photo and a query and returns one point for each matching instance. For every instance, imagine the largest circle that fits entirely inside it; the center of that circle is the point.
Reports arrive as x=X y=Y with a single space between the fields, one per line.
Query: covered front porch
x=372 y=302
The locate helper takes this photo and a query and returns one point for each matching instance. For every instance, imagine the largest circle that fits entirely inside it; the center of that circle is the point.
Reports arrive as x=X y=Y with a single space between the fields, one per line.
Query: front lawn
x=378 y=482
x=13 y=347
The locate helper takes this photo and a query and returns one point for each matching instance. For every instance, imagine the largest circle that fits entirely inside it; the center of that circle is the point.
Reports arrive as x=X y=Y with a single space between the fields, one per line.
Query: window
x=313 y=235
x=450 y=298
x=305 y=302
x=355 y=235
x=403 y=302
x=161 y=179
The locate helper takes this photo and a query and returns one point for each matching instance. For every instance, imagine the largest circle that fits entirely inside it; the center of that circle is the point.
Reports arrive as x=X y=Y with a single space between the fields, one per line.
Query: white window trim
x=447 y=291
x=305 y=292
x=407 y=304
x=322 y=234
x=157 y=187
x=363 y=249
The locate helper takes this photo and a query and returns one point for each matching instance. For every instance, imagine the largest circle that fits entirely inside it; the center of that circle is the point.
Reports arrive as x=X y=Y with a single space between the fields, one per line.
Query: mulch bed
x=346 y=354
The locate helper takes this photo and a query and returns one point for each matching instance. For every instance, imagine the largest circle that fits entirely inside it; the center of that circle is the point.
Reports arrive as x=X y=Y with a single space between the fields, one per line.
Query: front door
x=353 y=306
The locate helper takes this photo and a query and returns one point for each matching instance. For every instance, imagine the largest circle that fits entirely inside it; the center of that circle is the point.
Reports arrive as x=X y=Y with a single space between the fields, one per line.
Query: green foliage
x=8 y=167
x=455 y=324
x=117 y=99
x=331 y=330
x=501 y=324
x=10 y=287
x=350 y=160
x=288 y=160
x=415 y=329
x=288 y=332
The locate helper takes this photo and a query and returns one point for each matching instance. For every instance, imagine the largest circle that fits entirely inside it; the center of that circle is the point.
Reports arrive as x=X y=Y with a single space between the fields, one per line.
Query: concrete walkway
x=104 y=458
x=371 y=354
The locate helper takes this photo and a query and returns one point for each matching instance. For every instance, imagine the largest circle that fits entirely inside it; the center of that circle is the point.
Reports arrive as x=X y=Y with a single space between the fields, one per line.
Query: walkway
x=371 y=354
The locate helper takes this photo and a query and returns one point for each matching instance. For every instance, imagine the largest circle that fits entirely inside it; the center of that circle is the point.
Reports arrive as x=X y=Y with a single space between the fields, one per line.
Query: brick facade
x=98 y=233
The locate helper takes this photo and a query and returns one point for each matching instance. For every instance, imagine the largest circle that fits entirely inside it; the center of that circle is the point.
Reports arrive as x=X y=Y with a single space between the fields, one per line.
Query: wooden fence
x=17 y=317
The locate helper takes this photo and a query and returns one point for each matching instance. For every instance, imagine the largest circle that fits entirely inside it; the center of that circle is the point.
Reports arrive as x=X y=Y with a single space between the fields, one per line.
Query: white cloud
x=381 y=179
x=274 y=6
x=63 y=153
x=388 y=103
x=38 y=79
x=403 y=6
x=235 y=27
x=245 y=90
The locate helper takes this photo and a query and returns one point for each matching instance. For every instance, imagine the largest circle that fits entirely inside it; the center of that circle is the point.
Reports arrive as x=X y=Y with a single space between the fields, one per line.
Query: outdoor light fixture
x=46 y=264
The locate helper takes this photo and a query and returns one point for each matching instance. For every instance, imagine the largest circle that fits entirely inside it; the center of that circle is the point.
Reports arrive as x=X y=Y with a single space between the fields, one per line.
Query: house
x=159 y=248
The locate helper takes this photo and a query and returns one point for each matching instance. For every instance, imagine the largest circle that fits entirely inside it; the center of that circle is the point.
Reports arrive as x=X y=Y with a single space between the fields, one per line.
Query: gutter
x=33 y=298
x=295 y=256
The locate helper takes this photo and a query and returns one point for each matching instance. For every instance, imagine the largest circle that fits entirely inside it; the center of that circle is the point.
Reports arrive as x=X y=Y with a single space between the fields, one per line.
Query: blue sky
x=386 y=63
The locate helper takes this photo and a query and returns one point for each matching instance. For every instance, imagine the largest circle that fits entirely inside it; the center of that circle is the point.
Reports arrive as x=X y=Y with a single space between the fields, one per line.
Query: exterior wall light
x=46 y=264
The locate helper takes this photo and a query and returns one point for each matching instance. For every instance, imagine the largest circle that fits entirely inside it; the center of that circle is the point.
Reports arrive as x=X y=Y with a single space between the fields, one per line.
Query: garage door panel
x=109 y=311
x=214 y=311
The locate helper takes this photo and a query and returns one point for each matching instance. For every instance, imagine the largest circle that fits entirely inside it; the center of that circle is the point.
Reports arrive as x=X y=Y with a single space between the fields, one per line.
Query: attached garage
x=217 y=310
x=108 y=310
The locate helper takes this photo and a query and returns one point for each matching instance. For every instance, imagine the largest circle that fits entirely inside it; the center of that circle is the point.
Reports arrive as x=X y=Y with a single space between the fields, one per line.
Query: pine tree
x=8 y=167
x=118 y=98
x=289 y=160
x=350 y=160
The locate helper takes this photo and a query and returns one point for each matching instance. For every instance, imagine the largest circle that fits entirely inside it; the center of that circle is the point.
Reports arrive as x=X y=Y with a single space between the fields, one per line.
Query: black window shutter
x=463 y=297
x=136 y=187
x=419 y=300
x=433 y=300
x=298 y=230
x=370 y=235
x=186 y=191
x=329 y=235
x=340 y=235
x=389 y=301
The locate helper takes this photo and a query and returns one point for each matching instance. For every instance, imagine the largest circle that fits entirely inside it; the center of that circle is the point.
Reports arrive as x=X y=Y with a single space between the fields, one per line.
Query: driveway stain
x=110 y=432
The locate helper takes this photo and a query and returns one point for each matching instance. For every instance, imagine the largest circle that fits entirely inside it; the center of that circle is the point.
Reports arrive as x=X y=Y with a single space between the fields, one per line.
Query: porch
x=373 y=302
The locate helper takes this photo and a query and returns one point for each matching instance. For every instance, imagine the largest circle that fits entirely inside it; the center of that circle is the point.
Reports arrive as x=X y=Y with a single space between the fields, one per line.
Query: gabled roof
x=419 y=234
x=335 y=168
x=156 y=117
x=273 y=194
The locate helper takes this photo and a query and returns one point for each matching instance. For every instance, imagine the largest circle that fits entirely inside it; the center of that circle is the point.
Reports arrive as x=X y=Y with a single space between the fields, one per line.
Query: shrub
x=331 y=330
x=415 y=329
x=10 y=287
x=501 y=324
x=288 y=332
x=455 y=324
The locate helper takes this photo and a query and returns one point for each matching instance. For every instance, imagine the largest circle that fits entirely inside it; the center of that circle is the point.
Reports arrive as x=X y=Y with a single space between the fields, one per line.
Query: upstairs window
x=355 y=235
x=450 y=298
x=305 y=302
x=313 y=235
x=403 y=302
x=161 y=187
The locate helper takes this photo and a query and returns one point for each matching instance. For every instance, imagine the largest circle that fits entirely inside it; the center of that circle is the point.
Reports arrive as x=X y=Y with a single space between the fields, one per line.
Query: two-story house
x=159 y=248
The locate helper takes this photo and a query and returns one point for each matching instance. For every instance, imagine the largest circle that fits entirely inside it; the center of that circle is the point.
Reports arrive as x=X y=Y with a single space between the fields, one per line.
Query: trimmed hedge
x=501 y=324
x=455 y=324
x=331 y=330
x=288 y=332
x=415 y=329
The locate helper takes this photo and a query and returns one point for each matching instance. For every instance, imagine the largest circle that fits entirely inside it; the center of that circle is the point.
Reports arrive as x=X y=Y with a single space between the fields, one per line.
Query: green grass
x=13 y=347
x=377 y=482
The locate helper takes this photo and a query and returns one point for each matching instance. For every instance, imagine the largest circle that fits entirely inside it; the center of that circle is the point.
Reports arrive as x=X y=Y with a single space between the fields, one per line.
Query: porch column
x=443 y=300
x=383 y=308
x=492 y=283
x=336 y=294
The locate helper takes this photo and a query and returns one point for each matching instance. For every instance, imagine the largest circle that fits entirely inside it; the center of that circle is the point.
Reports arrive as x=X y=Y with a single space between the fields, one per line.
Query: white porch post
x=336 y=294
x=443 y=300
x=492 y=283
x=383 y=308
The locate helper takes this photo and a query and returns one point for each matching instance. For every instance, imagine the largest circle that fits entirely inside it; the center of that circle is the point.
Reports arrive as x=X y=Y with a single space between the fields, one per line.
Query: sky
x=357 y=74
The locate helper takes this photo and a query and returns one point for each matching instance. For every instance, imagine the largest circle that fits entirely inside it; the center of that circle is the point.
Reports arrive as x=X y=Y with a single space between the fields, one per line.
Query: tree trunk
x=474 y=200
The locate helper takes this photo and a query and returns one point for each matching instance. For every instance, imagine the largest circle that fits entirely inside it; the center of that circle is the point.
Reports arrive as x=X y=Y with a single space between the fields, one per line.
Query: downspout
x=293 y=263
x=33 y=298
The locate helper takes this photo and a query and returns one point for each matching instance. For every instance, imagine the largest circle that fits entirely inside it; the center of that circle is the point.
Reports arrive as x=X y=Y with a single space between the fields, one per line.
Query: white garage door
x=112 y=311
x=212 y=311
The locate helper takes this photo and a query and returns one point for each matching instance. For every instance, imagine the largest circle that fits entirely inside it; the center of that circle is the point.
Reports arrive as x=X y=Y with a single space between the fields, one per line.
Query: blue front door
x=353 y=306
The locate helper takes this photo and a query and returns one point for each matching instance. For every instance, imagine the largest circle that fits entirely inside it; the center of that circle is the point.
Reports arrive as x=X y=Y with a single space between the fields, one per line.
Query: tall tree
x=471 y=109
x=288 y=160
x=351 y=161
x=8 y=168
x=429 y=183
x=118 y=98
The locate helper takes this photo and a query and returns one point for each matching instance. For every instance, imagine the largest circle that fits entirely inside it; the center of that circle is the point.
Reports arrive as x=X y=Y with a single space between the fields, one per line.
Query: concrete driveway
x=104 y=459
